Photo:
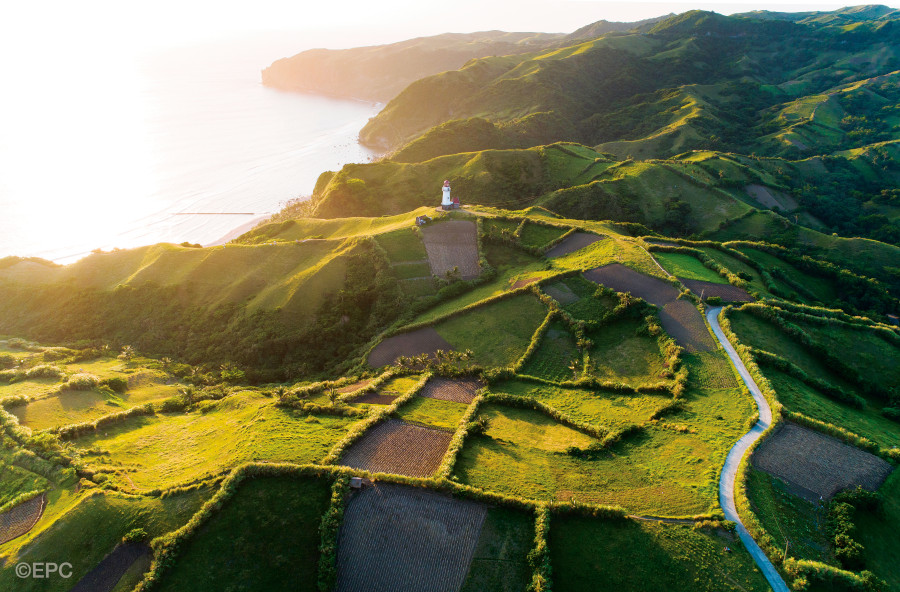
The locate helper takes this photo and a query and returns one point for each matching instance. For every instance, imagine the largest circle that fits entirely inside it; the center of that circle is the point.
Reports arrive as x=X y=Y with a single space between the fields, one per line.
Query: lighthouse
x=446 y=201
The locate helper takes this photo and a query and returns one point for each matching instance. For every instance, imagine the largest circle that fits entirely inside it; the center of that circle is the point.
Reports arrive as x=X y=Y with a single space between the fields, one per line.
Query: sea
x=181 y=144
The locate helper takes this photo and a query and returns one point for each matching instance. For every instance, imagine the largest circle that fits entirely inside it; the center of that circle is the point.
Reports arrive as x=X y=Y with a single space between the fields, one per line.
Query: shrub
x=81 y=382
x=115 y=383
x=44 y=371
x=7 y=361
x=135 y=535
x=714 y=300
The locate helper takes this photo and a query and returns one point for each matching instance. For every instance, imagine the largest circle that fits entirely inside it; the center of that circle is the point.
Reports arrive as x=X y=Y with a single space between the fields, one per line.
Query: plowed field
x=403 y=538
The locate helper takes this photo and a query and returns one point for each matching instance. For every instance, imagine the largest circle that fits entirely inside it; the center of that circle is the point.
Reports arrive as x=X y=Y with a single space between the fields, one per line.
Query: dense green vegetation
x=244 y=544
x=625 y=555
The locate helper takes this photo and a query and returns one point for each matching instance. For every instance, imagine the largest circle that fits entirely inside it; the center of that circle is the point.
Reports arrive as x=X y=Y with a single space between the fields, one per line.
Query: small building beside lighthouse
x=447 y=202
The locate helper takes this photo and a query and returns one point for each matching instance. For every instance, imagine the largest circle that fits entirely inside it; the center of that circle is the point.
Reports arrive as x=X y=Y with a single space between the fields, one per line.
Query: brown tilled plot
x=107 y=574
x=458 y=391
x=816 y=465
x=681 y=319
x=523 y=282
x=726 y=292
x=400 y=448
x=355 y=386
x=21 y=518
x=404 y=538
x=624 y=279
x=452 y=244
x=421 y=341
x=574 y=242
x=375 y=398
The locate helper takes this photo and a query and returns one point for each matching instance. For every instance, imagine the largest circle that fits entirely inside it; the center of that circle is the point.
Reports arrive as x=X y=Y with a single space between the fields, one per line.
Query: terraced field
x=398 y=447
x=452 y=244
x=401 y=538
x=818 y=466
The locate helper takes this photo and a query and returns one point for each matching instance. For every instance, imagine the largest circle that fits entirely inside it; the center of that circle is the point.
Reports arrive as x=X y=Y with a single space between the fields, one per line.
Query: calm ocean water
x=186 y=145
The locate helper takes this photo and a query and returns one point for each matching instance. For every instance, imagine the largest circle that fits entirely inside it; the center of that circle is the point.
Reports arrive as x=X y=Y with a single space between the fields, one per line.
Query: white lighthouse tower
x=446 y=201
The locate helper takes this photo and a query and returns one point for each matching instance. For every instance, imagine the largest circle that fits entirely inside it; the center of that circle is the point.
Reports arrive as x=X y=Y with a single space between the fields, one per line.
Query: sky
x=34 y=28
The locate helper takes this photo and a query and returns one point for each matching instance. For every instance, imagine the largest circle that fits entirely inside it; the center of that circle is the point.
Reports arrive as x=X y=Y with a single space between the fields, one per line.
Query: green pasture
x=591 y=554
x=265 y=537
x=792 y=522
x=435 y=413
x=554 y=355
x=240 y=428
x=877 y=532
x=523 y=452
x=500 y=561
x=621 y=352
x=539 y=235
x=687 y=267
x=498 y=333
x=402 y=245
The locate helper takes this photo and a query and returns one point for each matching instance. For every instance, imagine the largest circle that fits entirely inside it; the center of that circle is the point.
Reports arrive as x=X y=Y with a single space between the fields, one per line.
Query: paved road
x=729 y=471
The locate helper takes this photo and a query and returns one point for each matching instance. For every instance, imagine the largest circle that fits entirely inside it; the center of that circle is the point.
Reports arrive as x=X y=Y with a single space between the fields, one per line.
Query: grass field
x=90 y=530
x=402 y=245
x=523 y=453
x=554 y=355
x=587 y=307
x=688 y=267
x=737 y=266
x=800 y=397
x=433 y=412
x=601 y=408
x=265 y=537
x=596 y=555
x=622 y=354
x=790 y=520
x=820 y=287
x=761 y=334
x=862 y=350
x=538 y=235
x=241 y=428
x=500 y=561
x=511 y=264
x=498 y=333
x=877 y=531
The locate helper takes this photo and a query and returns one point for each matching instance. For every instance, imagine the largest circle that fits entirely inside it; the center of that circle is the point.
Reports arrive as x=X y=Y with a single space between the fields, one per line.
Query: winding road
x=729 y=470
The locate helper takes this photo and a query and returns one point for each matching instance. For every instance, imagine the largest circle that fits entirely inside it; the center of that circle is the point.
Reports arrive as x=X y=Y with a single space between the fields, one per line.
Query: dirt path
x=729 y=470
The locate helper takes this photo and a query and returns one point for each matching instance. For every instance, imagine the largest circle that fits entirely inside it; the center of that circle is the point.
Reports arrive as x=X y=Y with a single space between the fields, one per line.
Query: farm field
x=523 y=452
x=538 y=235
x=800 y=397
x=737 y=266
x=600 y=408
x=622 y=353
x=412 y=343
x=433 y=412
x=555 y=355
x=94 y=526
x=403 y=538
x=595 y=554
x=452 y=244
x=500 y=560
x=402 y=245
x=687 y=267
x=791 y=521
x=816 y=465
x=398 y=447
x=387 y=392
x=266 y=536
x=137 y=453
x=511 y=264
x=820 y=287
x=726 y=292
x=877 y=532
x=498 y=333
x=572 y=243
x=458 y=390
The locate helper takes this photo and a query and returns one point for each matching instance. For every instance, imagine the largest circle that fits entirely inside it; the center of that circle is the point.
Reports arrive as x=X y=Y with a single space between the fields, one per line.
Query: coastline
x=236 y=232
